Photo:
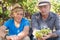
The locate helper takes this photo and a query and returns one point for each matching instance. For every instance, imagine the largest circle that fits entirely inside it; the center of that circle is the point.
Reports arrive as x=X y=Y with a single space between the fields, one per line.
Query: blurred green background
x=30 y=7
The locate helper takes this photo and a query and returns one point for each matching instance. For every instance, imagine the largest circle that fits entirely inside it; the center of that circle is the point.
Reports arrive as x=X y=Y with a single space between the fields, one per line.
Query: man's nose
x=42 y=8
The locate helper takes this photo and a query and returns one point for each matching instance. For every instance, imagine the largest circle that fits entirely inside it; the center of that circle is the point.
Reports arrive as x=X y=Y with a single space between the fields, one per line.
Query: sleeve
x=34 y=23
x=57 y=26
x=27 y=23
x=7 y=23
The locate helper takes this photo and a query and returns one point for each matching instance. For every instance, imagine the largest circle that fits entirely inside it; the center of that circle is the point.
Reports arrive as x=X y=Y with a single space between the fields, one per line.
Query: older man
x=44 y=18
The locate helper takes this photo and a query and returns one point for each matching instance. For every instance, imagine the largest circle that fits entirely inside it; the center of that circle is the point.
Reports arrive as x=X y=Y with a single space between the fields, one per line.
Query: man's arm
x=57 y=26
x=57 y=32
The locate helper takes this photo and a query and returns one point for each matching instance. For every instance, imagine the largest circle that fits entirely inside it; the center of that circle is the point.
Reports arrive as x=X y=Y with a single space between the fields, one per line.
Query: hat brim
x=43 y=4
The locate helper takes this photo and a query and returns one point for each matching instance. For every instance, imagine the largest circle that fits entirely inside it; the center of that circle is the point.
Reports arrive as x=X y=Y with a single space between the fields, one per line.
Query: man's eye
x=45 y=6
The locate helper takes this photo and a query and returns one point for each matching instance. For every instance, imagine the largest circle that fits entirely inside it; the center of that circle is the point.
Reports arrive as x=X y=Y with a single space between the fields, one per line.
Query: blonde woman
x=18 y=26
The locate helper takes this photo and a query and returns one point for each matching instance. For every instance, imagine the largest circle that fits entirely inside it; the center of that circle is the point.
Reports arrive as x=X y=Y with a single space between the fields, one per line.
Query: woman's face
x=18 y=14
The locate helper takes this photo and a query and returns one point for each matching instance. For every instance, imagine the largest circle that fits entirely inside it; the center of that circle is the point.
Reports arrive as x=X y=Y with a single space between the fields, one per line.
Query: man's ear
x=38 y=7
x=50 y=6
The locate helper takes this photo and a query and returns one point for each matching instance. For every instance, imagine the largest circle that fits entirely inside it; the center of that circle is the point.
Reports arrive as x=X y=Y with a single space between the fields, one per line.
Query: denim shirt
x=51 y=22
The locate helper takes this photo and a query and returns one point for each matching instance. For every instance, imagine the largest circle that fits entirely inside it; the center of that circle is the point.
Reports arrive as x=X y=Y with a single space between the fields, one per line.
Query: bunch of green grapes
x=45 y=31
x=41 y=32
x=38 y=34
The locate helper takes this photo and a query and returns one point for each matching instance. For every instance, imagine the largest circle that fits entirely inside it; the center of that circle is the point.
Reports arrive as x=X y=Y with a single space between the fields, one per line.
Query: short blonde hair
x=14 y=7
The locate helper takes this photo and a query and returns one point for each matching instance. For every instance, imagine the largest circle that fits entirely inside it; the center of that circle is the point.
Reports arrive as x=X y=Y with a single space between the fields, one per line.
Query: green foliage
x=0 y=10
x=29 y=5
x=55 y=5
x=32 y=6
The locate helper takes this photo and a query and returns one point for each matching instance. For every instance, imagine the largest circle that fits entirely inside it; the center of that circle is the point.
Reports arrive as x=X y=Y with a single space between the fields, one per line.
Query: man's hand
x=39 y=38
x=45 y=37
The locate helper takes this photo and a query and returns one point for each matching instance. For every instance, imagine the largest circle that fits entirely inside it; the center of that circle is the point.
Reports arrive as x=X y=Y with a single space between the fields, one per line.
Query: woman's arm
x=24 y=33
x=2 y=31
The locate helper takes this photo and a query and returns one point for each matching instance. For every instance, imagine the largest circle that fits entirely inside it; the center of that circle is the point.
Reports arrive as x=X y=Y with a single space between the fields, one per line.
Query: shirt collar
x=49 y=17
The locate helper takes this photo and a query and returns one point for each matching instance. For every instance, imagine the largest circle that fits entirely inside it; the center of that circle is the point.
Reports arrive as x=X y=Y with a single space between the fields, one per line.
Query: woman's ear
x=12 y=15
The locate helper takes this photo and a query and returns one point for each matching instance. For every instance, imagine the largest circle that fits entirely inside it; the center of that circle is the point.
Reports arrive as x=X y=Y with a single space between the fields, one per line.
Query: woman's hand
x=8 y=37
x=14 y=37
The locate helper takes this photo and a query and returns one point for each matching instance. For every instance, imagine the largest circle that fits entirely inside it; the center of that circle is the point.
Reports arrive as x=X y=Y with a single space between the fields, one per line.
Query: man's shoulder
x=53 y=14
x=36 y=14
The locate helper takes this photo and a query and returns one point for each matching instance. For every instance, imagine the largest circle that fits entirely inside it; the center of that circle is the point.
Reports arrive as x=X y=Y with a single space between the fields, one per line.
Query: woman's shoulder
x=25 y=19
x=9 y=20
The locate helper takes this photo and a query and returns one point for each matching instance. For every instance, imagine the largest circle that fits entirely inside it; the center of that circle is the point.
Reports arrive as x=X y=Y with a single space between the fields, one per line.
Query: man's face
x=44 y=9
